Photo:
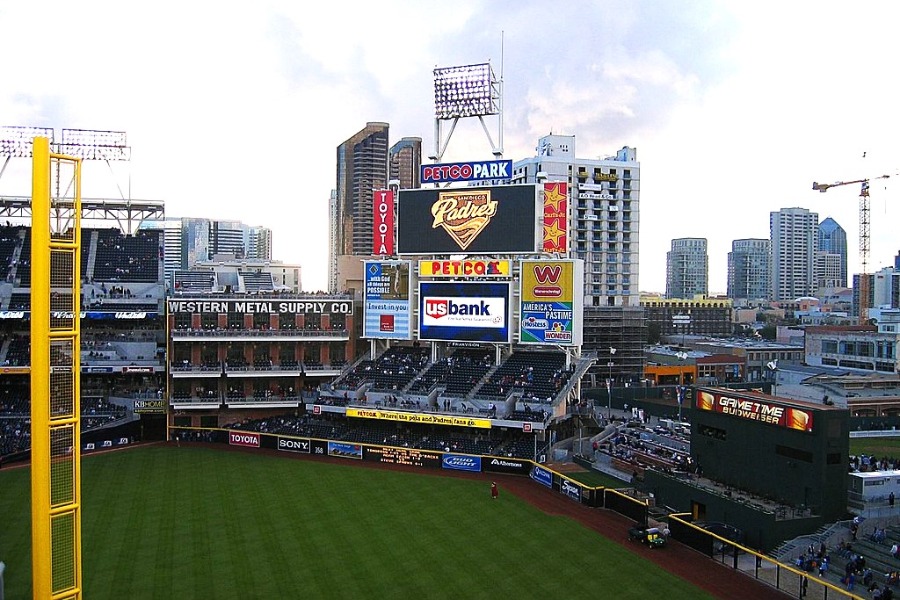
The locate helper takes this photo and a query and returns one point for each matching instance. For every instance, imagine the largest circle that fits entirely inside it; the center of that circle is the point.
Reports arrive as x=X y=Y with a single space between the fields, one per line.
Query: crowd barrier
x=789 y=579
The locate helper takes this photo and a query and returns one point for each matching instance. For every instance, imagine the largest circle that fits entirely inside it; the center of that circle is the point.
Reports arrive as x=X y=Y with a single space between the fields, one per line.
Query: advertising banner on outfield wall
x=243 y=438
x=569 y=488
x=411 y=457
x=542 y=476
x=476 y=220
x=464 y=312
x=461 y=462
x=386 y=301
x=345 y=450
x=294 y=445
x=495 y=464
x=550 y=302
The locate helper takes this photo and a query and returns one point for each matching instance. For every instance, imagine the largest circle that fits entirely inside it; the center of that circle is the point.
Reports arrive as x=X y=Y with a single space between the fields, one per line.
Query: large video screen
x=469 y=312
x=472 y=220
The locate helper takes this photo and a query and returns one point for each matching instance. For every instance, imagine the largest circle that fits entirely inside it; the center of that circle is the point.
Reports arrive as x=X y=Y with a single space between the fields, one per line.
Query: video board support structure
x=55 y=370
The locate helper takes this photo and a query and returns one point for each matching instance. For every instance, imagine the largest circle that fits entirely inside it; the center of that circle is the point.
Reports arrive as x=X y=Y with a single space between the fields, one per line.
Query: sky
x=234 y=111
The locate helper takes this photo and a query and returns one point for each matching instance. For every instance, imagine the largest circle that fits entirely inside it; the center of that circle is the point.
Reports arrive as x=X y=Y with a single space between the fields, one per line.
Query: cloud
x=235 y=111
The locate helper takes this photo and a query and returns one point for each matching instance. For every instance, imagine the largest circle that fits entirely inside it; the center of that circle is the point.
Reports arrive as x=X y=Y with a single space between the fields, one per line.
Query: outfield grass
x=191 y=522
x=594 y=478
x=878 y=446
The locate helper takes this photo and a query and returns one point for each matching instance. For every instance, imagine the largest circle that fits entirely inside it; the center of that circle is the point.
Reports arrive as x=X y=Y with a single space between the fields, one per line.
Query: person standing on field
x=495 y=492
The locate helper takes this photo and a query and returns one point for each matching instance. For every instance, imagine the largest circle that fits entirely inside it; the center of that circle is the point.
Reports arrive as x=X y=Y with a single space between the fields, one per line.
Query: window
x=794 y=453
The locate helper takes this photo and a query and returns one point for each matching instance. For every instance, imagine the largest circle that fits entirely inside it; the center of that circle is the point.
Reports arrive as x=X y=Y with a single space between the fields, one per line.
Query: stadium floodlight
x=17 y=141
x=466 y=91
x=89 y=144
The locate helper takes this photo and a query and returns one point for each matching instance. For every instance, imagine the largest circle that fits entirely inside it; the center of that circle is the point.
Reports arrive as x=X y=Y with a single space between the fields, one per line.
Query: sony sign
x=292 y=445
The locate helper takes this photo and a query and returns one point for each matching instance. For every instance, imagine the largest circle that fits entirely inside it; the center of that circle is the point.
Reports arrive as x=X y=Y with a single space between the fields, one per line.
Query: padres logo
x=463 y=214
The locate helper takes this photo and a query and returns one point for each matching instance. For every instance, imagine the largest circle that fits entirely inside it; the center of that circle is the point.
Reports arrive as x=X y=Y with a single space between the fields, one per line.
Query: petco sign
x=468 y=171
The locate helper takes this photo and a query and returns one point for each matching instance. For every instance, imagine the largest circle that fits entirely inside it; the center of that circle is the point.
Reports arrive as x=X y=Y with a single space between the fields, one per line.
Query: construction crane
x=865 y=231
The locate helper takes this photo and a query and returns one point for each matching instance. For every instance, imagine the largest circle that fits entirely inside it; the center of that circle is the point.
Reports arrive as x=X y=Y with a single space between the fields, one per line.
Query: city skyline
x=240 y=121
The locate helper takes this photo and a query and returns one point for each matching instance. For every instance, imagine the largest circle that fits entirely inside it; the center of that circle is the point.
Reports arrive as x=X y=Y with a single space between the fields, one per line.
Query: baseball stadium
x=232 y=438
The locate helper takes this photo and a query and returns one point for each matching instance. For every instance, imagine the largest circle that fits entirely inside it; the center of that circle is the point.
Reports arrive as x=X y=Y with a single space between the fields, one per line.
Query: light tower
x=463 y=92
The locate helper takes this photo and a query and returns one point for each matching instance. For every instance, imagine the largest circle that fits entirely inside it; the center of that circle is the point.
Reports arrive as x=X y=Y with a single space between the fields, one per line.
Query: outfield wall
x=595 y=497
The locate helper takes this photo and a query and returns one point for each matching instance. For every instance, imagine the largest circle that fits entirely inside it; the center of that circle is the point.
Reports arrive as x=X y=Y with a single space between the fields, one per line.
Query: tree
x=654 y=333
x=768 y=332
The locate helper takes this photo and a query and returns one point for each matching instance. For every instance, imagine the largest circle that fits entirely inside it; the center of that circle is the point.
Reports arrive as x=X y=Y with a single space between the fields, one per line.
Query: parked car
x=652 y=536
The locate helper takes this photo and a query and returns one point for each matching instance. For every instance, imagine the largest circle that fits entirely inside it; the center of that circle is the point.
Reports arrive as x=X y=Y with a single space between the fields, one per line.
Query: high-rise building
x=794 y=235
x=227 y=239
x=833 y=239
x=364 y=164
x=259 y=243
x=189 y=241
x=362 y=167
x=604 y=205
x=885 y=293
x=828 y=272
x=687 y=268
x=605 y=214
x=749 y=270
x=405 y=160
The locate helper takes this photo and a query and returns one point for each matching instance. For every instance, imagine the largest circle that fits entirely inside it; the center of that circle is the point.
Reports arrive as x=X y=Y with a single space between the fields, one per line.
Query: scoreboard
x=403 y=456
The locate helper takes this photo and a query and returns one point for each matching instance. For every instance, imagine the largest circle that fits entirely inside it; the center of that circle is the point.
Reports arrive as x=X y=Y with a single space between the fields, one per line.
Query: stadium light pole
x=463 y=92
x=609 y=364
x=772 y=366
x=682 y=356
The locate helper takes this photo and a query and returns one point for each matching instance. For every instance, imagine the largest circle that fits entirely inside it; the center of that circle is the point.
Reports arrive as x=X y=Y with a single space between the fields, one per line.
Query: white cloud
x=234 y=111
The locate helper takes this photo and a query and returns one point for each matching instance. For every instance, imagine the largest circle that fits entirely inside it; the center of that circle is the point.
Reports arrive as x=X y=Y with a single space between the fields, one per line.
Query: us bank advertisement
x=387 y=303
x=550 y=303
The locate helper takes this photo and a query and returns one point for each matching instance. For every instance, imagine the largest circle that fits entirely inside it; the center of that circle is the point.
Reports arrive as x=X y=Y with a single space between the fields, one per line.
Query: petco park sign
x=467 y=171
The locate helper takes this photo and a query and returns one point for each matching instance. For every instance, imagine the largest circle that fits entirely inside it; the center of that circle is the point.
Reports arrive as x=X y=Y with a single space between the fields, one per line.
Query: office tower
x=687 y=268
x=794 y=235
x=189 y=241
x=833 y=239
x=828 y=272
x=259 y=243
x=749 y=268
x=361 y=169
x=405 y=160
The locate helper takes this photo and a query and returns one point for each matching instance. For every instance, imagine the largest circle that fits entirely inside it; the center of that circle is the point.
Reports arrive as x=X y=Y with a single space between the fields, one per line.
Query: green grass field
x=189 y=522
x=879 y=446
